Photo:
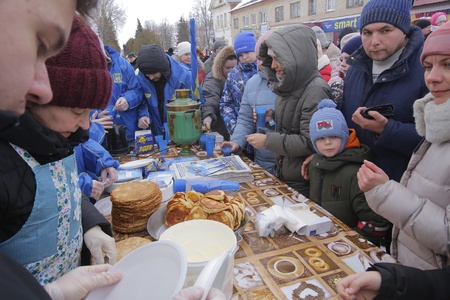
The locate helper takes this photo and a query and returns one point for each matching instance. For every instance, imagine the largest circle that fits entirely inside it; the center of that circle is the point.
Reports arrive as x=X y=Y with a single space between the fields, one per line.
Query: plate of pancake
x=214 y=205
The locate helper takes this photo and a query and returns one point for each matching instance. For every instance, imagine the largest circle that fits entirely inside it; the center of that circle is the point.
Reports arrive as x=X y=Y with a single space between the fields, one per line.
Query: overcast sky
x=155 y=10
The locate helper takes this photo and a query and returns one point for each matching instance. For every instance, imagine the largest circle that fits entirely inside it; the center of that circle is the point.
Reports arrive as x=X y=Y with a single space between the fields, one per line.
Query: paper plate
x=153 y=271
x=104 y=206
x=214 y=274
x=136 y=164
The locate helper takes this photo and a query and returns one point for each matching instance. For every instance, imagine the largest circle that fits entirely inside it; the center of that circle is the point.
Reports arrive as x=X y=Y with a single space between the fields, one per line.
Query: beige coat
x=419 y=206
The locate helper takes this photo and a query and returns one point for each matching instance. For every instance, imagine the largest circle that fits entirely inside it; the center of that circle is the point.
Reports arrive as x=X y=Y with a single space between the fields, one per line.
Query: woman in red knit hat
x=44 y=220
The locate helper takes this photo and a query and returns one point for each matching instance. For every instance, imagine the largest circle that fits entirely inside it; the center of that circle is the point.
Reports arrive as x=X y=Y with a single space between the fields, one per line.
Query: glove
x=110 y=172
x=97 y=189
x=79 y=282
x=98 y=243
x=144 y=122
x=196 y=293
x=207 y=122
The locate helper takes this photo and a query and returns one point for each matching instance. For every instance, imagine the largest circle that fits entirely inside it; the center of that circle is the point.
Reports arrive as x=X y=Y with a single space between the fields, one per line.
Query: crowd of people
x=325 y=129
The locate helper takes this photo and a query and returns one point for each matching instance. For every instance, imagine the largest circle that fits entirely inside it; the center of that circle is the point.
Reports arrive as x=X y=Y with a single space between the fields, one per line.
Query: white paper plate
x=104 y=206
x=214 y=274
x=153 y=271
x=136 y=164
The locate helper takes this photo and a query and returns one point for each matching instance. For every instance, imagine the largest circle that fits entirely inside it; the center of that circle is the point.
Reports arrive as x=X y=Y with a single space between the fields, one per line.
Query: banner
x=196 y=88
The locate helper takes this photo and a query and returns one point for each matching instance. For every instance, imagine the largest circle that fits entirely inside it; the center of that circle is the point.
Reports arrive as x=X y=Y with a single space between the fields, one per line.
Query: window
x=263 y=17
x=225 y=22
x=221 y=21
x=253 y=19
x=236 y=23
x=279 y=13
x=331 y=5
x=312 y=7
x=218 y=22
x=245 y=21
x=295 y=10
x=353 y=3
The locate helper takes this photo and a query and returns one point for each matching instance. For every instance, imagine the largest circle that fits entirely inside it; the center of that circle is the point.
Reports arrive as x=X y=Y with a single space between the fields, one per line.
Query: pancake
x=128 y=245
x=176 y=213
x=218 y=195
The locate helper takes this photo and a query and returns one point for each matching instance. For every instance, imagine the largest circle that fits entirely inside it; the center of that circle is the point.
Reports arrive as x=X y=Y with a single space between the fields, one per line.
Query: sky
x=155 y=10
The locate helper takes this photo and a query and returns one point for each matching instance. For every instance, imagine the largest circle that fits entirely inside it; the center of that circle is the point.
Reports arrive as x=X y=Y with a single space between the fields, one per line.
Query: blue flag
x=196 y=88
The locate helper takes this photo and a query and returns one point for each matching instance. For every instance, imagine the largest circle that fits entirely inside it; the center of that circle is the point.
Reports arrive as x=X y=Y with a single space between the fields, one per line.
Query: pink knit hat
x=261 y=40
x=437 y=43
x=438 y=17
x=78 y=75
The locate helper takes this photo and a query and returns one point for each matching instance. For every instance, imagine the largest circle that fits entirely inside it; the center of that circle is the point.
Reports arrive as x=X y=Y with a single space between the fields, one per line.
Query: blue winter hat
x=352 y=45
x=394 y=12
x=328 y=121
x=244 y=42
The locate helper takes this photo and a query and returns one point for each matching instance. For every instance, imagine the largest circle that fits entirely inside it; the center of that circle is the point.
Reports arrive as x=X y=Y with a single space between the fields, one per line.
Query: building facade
x=332 y=16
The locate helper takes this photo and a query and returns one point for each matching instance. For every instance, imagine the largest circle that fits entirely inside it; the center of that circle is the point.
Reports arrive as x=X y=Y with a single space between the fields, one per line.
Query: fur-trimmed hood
x=219 y=62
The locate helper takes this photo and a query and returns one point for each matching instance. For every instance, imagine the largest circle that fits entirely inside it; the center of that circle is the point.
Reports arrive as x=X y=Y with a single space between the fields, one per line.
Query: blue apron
x=49 y=243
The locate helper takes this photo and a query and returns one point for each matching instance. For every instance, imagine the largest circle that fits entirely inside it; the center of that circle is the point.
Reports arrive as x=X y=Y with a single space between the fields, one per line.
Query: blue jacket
x=233 y=91
x=256 y=93
x=125 y=84
x=97 y=132
x=400 y=85
x=179 y=78
x=92 y=158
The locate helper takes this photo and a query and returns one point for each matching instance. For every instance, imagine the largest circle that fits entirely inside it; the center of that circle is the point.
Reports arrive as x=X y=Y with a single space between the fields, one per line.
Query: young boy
x=332 y=172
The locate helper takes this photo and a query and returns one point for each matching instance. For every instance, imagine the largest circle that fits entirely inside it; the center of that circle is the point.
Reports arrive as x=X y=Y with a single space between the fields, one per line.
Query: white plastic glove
x=207 y=122
x=144 y=122
x=98 y=243
x=110 y=172
x=97 y=189
x=79 y=282
x=196 y=293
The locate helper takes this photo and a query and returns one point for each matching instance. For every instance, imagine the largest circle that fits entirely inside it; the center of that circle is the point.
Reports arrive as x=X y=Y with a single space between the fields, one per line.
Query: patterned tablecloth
x=291 y=266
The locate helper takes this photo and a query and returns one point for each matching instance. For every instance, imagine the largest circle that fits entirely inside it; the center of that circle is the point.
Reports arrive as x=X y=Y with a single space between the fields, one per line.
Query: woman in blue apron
x=43 y=219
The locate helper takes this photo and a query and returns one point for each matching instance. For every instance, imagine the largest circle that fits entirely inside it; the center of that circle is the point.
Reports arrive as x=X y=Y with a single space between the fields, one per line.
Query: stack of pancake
x=214 y=205
x=132 y=204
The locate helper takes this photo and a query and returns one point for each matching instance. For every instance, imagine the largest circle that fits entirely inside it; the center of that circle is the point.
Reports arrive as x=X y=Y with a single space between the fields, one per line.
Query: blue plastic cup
x=261 y=116
x=158 y=138
x=226 y=150
x=203 y=138
x=211 y=137
x=163 y=146
x=209 y=145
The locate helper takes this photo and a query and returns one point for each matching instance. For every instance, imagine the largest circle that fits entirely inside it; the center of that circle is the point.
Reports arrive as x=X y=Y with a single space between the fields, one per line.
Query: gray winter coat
x=298 y=94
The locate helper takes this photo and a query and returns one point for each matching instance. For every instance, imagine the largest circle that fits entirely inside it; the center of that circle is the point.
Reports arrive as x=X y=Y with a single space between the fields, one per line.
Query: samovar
x=184 y=120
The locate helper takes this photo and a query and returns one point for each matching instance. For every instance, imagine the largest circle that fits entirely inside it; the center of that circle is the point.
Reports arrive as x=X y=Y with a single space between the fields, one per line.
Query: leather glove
x=98 y=243
x=196 y=293
x=207 y=122
x=77 y=283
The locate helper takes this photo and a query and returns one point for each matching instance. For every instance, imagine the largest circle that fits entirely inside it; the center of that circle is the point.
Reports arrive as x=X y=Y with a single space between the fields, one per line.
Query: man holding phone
x=386 y=70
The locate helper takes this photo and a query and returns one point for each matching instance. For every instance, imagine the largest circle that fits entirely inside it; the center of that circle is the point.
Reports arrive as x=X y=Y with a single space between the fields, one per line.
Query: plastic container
x=203 y=241
x=226 y=150
x=204 y=186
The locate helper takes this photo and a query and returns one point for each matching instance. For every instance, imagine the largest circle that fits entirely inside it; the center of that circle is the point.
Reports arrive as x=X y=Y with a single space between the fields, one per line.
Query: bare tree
x=203 y=23
x=166 y=32
x=108 y=19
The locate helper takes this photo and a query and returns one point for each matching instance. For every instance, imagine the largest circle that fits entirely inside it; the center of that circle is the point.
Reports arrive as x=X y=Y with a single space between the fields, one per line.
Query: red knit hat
x=437 y=43
x=78 y=75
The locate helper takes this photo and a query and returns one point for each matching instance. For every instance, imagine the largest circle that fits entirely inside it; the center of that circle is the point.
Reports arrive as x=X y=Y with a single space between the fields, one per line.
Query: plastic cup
x=261 y=116
x=209 y=145
x=226 y=150
x=211 y=137
x=163 y=146
x=159 y=138
x=203 y=138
